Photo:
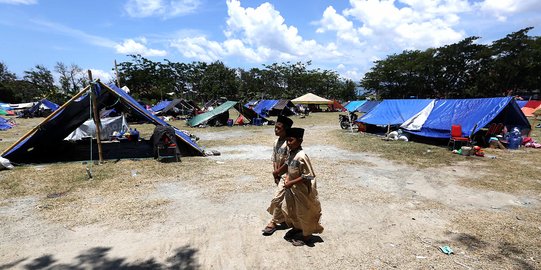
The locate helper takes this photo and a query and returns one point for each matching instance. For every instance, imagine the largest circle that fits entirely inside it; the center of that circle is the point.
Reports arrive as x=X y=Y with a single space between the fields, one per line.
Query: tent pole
x=116 y=74
x=46 y=119
x=350 y=123
x=96 y=117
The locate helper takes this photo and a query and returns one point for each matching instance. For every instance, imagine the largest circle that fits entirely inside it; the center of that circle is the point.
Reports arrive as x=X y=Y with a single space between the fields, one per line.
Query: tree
x=7 y=93
x=516 y=59
x=43 y=82
x=72 y=78
x=219 y=81
x=463 y=69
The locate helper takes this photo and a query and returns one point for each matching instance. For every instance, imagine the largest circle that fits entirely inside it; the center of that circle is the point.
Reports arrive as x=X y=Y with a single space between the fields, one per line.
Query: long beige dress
x=301 y=206
x=279 y=156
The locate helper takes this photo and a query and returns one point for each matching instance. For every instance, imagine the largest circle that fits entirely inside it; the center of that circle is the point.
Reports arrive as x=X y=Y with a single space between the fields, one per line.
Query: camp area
x=389 y=204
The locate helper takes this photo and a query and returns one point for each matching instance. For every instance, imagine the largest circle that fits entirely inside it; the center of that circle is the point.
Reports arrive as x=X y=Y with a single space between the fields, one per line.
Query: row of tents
x=433 y=118
x=258 y=111
x=50 y=141
x=46 y=141
x=41 y=108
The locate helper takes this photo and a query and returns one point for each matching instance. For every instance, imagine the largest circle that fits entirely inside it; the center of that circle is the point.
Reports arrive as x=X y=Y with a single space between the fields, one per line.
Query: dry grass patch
x=502 y=237
x=409 y=153
x=508 y=172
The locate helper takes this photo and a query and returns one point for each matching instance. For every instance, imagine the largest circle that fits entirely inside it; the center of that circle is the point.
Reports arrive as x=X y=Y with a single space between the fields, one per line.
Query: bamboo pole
x=116 y=75
x=96 y=117
x=350 y=122
x=52 y=115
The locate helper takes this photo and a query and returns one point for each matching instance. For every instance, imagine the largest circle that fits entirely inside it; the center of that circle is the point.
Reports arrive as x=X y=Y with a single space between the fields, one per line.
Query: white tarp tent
x=108 y=126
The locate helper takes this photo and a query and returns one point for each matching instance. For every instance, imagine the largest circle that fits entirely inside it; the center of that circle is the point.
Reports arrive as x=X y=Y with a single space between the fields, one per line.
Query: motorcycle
x=347 y=121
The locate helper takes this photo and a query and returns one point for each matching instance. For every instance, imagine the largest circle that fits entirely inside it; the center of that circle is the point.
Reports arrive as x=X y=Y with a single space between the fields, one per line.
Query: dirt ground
x=377 y=214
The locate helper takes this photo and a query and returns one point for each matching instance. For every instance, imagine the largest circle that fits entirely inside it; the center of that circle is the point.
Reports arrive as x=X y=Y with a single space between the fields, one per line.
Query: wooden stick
x=116 y=74
x=96 y=117
x=52 y=115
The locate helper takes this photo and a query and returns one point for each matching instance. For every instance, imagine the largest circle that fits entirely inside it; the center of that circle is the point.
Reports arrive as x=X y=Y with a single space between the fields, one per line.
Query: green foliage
x=42 y=81
x=508 y=66
x=7 y=93
x=201 y=81
x=72 y=79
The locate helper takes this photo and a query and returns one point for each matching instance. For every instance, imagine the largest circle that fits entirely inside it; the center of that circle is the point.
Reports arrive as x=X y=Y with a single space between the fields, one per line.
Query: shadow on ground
x=505 y=252
x=96 y=258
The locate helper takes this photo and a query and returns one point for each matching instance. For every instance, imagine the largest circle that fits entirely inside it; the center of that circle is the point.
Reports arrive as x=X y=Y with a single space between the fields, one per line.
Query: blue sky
x=346 y=36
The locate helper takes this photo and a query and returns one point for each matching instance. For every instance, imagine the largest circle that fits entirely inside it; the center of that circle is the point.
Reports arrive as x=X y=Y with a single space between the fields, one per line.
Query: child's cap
x=286 y=121
x=295 y=132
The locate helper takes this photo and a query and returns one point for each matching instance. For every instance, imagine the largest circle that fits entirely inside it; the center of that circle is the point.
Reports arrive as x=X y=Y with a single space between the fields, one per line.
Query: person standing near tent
x=279 y=156
x=300 y=206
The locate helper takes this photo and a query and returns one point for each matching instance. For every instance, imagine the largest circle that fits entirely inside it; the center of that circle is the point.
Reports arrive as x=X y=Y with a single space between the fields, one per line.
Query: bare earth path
x=377 y=214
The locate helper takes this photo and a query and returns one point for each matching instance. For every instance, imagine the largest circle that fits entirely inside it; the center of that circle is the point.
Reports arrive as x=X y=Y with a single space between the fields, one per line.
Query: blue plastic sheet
x=394 y=111
x=469 y=114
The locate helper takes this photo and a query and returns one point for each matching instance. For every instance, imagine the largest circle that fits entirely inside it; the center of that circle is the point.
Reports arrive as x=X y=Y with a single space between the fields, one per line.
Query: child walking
x=301 y=206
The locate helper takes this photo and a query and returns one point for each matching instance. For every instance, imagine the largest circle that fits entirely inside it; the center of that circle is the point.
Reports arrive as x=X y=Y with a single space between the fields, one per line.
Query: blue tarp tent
x=39 y=143
x=353 y=105
x=50 y=105
x=5 y=107
x=471 y=112
x=42 y=108
x=250 y=103
x=521 y=103
x=394 y=111
x=4 y=124
x=368 y=106
x=220 y=115
x=264 y=106
x=161 y=105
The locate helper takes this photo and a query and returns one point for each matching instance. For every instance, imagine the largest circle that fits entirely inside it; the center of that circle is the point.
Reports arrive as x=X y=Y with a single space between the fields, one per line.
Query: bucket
x=229 y=122
x=466 y=150
x=514 y=143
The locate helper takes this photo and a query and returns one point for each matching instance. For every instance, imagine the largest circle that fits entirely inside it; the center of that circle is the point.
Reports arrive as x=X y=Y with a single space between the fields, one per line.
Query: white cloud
x=198 y=47
x=501 y=9
x=415 y=24
x=19 y=2
x=259 y=35
x=104 y=76
x=160 y=8
x=130 y=46
x=332 y=21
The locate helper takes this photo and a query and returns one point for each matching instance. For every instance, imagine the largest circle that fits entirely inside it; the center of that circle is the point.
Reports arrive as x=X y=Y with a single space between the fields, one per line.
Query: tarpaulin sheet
x=368 y=106
x=394 y=111
x=50 y=105
x=264 y=106
x=470 y=113
x=63 y=121
x=160 y=106
x=353 y=105
x=204 y=117
x=4 y=124
x=521 y=103
x=531 y=107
